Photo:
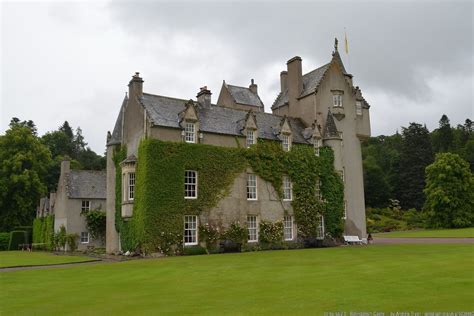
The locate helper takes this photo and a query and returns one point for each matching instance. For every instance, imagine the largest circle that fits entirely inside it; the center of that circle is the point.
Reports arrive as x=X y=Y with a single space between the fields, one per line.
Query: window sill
x=190 y=198
x=287 y=200
x=252 y=241
x=252 y=199
x=190 y=244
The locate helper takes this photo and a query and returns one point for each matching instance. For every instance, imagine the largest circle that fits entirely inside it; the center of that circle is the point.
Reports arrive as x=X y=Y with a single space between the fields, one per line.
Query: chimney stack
x=284 y=80
x=135 y=86
x=65 y=166
x=253 y=87
x=295 y=79
x=204 y=97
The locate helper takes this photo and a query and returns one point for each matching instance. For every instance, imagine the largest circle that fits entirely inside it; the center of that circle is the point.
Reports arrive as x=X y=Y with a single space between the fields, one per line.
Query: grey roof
x=165 y=111
x=86 y=184
x=330 y=130
x=311 y=81
x=244 y=95
x=117 y=132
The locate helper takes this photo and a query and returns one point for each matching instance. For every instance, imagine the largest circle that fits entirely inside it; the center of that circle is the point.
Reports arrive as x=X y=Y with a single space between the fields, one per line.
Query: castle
x=321 y=108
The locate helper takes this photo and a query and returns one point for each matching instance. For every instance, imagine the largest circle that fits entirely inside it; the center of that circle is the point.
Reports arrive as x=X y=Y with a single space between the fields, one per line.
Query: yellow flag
x=346 y=45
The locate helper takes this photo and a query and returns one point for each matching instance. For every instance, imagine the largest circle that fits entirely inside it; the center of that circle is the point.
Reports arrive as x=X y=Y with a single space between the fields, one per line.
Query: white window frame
x=190 y=236
x=320 y=227
x=345 y=210
x=343 y=176
x=252 y=228
x=251 y=137
x=85 y=206
x=287 y=189
x=337 y=100
x=358 y=108
x=318 y=193
x=131 y=186
x=190 y=184
x=317 y=146
x=85 y=237
x=252 y=187
x=286 y=142
x=288 y=227
x=190 y=132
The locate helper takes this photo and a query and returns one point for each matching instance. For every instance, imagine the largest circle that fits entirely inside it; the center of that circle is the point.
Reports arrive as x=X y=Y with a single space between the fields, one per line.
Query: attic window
x=337 y=100
x=286 y=142
x=250 y=137
x=190 y=132
x=317 y=145
x=358 y=108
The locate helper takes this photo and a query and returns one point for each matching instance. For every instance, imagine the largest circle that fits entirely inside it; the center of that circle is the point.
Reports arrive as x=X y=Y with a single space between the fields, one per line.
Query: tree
x=449 y=192
x=376 y=189
x=24 y=162
x=443 y=136
x=416 y=154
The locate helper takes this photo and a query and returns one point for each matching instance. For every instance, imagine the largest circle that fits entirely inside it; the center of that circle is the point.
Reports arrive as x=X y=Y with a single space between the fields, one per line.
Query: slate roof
x=330 y=130
x=165 y=111
x=86 y=184
x=311 y=81
x=117 y=132
x=244 y=95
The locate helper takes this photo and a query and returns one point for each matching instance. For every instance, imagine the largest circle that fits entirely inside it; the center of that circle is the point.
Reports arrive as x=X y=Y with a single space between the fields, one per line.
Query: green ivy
x=159 y=206
x=96 y=223
x=43 y=231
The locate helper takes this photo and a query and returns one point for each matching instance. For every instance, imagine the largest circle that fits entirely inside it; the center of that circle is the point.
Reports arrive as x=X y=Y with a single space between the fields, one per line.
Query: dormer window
x=317 y=146
x=337 y=100
x=251 y=137
x=190 y=132
x=286 y=142
x=358 y=108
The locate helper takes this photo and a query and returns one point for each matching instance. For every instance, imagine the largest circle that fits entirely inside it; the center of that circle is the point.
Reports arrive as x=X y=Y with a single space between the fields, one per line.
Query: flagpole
x=346 y=49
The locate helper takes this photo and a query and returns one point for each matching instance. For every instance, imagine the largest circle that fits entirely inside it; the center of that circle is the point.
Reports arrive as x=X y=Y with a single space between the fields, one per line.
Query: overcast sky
x=73 y=60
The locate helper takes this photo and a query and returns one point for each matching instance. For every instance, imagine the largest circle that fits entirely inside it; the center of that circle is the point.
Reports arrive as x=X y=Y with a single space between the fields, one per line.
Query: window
x=317 y=145
x=190 y=132
x=358 y=108
x=252 y=228
x=251 y=186
x=320 y=227
x=86 y=206
x=345 y=210
x=190 y=230
x=250 y=138
x=84 y=237
x=288 y=227
x=131 y=186
x=319 y=196
x=287 y=189
x=337 y=99
x=286 y=142
x=190 y=184
x=341 y=173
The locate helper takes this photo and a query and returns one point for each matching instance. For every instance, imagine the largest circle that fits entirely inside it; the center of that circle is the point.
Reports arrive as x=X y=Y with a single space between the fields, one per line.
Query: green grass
x=440 y=233
x=309 y=281
x=24 y=258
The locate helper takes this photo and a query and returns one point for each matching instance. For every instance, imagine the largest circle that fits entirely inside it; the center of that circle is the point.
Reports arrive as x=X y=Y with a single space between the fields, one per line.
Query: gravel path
x=422 y=240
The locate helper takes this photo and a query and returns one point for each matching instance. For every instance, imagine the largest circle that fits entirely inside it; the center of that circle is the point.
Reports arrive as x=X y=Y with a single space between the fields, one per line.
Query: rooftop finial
x=335 y=44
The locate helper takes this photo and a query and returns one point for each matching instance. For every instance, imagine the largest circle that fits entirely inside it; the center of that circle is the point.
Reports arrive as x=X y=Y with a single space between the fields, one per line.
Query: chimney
x=135 y=86
x=65 y=166
x=204 y=97
x=253 y=87
x=295 y=79
x=283 y=80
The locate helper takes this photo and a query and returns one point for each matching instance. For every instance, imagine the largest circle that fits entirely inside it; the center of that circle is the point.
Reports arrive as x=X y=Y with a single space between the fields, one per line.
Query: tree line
x=395 y=166
x=30 y=166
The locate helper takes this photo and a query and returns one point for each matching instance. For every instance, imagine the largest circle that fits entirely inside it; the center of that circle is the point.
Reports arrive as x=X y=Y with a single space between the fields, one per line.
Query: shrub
x=17 y=237
x=211 y=236
x=96 y=223
x=60 y=238
x=4 y=241
x=271 y=234
x=71 y=240
x=236 y=233
x=194 y=250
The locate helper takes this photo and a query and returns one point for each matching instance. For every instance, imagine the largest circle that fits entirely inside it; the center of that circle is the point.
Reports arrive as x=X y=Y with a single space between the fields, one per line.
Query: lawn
x=310 y=281
x=24 y=258
x=440 y=233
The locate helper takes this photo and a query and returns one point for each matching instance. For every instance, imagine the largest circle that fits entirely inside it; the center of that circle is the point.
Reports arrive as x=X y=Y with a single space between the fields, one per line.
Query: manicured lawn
x=24 y=258
x=440 y=233
x=306 y=282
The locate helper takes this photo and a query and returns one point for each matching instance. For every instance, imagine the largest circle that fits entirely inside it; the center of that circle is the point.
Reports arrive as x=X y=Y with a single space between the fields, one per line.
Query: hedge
x=17 y=237
x=4 y=241
x=43 y=231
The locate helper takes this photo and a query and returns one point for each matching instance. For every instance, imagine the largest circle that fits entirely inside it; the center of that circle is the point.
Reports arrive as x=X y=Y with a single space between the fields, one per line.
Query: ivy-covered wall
x=159 y=205
x=43 y=231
